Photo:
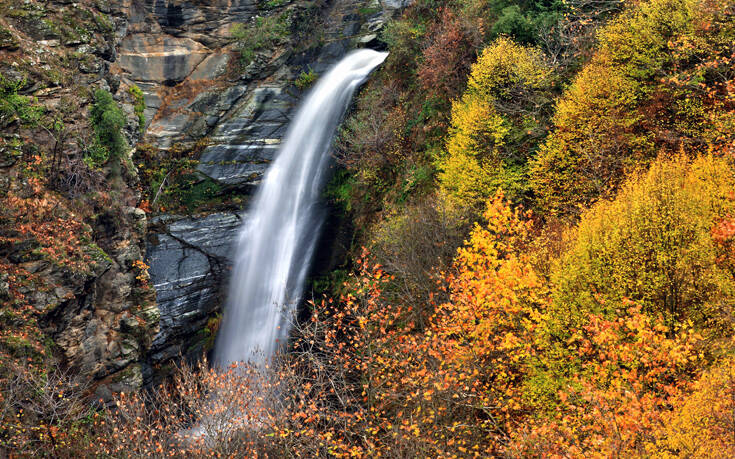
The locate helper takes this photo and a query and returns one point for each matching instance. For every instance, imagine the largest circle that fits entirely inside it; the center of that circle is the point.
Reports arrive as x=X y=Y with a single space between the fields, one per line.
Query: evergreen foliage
x=265 y=33
x=138 y=105
x=16 y=107
x=108 y=121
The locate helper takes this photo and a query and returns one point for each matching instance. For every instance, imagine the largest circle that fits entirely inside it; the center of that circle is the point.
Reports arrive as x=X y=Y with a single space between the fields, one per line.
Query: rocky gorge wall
x=195 y=87
x=203 y=100
x=71 y=234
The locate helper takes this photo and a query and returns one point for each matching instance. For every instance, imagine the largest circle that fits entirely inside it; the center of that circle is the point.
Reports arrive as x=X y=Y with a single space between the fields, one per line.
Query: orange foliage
x=723 y=234
x=631 y=369
x=447 y=58
x=37 y=229
x=38 y=216
x=702 y=423
x=482 y=376
x=34 y=224
x=483 y=337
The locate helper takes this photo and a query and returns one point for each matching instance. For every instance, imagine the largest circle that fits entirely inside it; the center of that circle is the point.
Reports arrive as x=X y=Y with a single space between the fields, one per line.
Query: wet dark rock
x=189 y=259
x=245 y=145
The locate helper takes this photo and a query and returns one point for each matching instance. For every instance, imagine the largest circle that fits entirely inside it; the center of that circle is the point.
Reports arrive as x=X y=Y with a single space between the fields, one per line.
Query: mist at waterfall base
x=276 y=244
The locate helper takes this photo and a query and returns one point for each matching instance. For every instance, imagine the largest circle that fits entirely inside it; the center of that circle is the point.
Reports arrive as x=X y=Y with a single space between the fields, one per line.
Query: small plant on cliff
x=273 y=4
x=306 y=79
x=141 y=270
x=108 y=121
x=139 y=105
x=263 y=33
x=15 y=107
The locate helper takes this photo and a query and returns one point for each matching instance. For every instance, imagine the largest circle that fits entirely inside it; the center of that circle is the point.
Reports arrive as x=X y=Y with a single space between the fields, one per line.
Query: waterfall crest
x=276 y=243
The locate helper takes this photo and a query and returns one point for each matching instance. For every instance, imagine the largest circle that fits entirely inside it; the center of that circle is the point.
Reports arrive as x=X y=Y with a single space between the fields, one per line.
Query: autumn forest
x=536 y=206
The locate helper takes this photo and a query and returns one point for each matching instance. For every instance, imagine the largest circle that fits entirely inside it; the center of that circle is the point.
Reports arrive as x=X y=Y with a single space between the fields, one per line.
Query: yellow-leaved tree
x=661 y=79
x=481 y=340
x=640 y=273
x=496 y=125
x=653 y=245
x=702 y=424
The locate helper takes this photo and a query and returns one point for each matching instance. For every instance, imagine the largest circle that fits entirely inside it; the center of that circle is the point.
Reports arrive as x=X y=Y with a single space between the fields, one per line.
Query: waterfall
x=276 y=243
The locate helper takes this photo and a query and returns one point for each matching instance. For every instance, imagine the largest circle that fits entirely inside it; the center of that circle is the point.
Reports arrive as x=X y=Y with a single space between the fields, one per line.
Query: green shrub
x=306 y=79
x=367 y=11
x=339 y=189
x=139 y=105
x=192 y=192
x=108 y=121
x=15 y=107
x=96 y=155
x=273 y=4
x=524 y=26
x=263 y=33
x=103 y=24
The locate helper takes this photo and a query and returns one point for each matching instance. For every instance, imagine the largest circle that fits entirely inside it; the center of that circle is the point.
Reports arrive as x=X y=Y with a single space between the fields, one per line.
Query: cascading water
x=276 y=243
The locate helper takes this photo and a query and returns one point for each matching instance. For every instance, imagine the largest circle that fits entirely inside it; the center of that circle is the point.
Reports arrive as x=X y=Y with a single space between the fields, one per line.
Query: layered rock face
x=199 y=88
x=101 y=316
x=107 y=329
x=196 y=85
x=189 y=259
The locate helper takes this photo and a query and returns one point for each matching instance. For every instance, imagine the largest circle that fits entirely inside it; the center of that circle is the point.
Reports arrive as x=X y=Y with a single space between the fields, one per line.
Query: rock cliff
x=218 y=81
x=197 y=85
x=72 y=237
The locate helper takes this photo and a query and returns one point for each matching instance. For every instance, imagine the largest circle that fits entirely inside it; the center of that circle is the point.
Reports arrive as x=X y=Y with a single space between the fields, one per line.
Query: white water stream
x=276 y=243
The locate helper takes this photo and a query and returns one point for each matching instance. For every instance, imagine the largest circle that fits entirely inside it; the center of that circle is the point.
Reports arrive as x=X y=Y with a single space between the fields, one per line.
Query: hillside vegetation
x=544 y=266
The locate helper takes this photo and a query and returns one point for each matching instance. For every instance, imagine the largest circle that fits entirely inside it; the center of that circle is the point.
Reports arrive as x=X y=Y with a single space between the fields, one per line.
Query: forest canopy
x=541 y=199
